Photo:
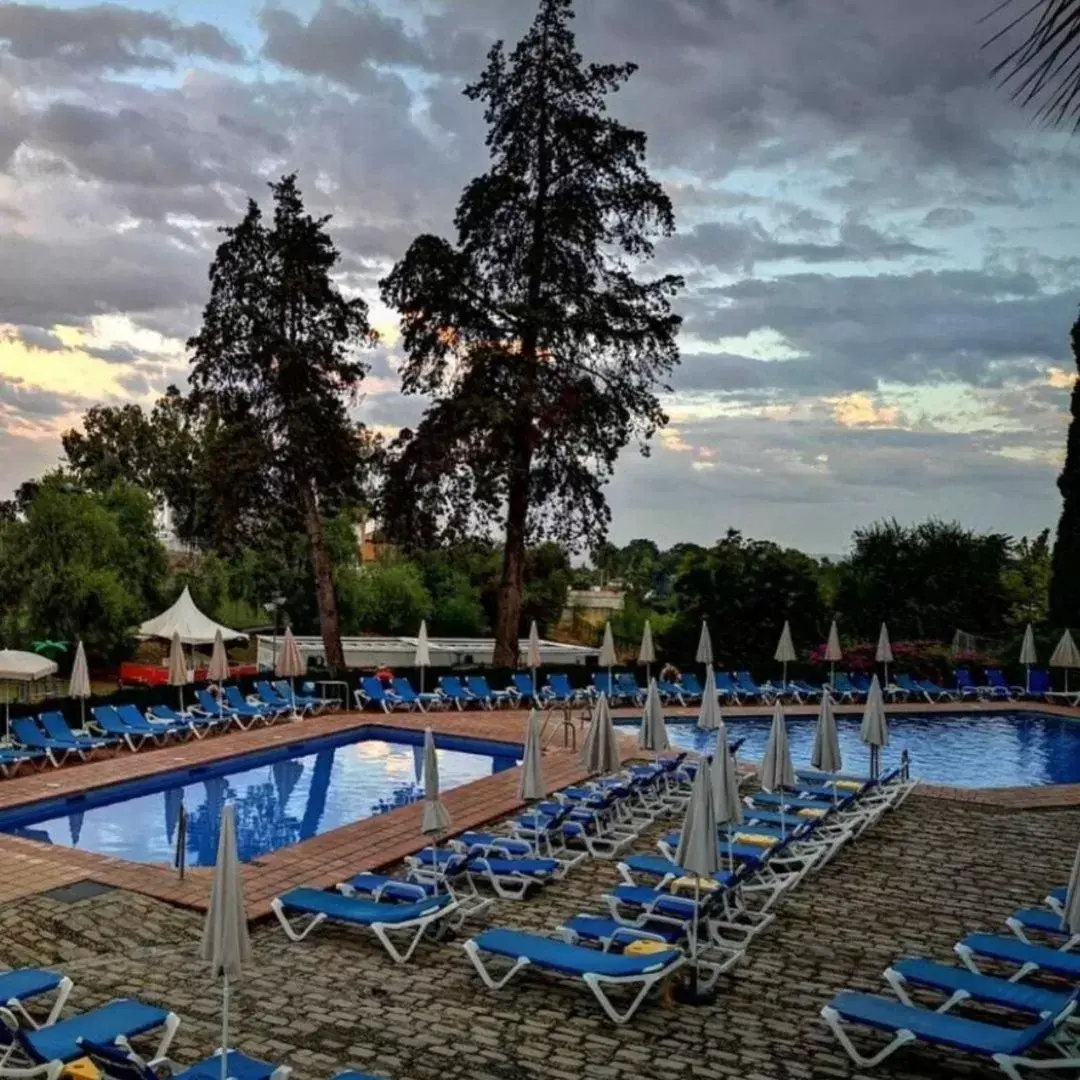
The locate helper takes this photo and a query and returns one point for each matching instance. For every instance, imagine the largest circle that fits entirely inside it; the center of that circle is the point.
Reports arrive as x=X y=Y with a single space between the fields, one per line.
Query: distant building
x=592 y=606
x=371 y=544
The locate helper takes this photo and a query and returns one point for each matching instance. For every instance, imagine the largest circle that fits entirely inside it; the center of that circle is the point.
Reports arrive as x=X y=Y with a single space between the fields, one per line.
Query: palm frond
x=1043 y=71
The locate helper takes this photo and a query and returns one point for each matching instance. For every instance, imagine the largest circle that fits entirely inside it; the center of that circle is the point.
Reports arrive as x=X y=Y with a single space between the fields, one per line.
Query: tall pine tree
x=277 y=359
x=537 y=339
x=1065 y=580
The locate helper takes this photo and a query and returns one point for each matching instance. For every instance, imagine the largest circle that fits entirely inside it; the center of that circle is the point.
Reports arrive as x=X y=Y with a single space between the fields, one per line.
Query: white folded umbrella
x=785 y=650
x=709 y=716
x=178 y=669
x=874 y=730
x=653 y=734
x=600 y=750
x=79 y=686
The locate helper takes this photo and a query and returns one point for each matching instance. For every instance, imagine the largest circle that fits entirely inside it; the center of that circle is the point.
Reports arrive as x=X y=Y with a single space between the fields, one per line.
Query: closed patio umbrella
x=826 y=753
x=290 y=664
x=698 y=852
x=1065 y=656
x=218 y=671
x=777 y=771
x=436 y=817
x=226 y=945
x=874 y=730
x=178 y=670
x=532 y=785
x=653 y=734
x=607 y=658
x=600 y=750
x=422 y=657
x=833 y=653
x=647 y=653
x=884 y=655
x=1028 y=656
x=533 y=657
x=704 y=653
x=709 y=716
x=785 y=650
x=79 y=686
x=725 y=783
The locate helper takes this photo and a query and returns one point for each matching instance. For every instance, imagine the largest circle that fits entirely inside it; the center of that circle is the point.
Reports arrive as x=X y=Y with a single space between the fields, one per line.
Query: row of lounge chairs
x=29 y=1050
x=784 y=836
x=48 y=739
x=1015 y=1017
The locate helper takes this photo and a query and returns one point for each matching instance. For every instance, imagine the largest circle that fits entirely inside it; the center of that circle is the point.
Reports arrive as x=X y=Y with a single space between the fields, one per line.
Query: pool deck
x=28 y=868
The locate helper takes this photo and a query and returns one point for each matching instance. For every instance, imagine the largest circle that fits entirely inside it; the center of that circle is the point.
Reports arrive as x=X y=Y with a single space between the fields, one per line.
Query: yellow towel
x=848 y=785
x=644 y=948
x=755 y=839
x=808 y=812
x=81 y=1069
x=687 y=883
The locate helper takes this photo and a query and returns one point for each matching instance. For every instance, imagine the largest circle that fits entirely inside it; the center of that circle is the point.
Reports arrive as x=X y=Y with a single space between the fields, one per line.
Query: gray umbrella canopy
x=178 y=671
x=532 y=659
x=1027 y=647
x=777 y=771
x=883 y=655
x=422 y=656
x=1065 y=653
x=785 y=647
x=79 y=687
x=833 y=652
x=698 y=851
x=725 y=783
x=826 y=752
x=532 y=785
x=653 y=734
x=607 y=657
x=600 y=750
x=219 y=660
x=1070 y=920
x=290 y=664
x=704 y=646
x=226 y=946
x=874 y=730
x=709 y=717
x=436 y=816
x=647 y=652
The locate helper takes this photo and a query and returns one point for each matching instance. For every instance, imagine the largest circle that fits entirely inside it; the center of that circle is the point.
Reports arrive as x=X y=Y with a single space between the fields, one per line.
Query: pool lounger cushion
x=595 y=968
x=118 y=1061
x=381 y=919
x=1007 y=1047
x=22 y=984
x=122 y=1019
x=1042 y=921
x=1011 y=950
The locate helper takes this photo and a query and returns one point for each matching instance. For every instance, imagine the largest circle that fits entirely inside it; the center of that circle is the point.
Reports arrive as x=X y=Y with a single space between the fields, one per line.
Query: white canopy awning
x=24 y=666
x=185 y=619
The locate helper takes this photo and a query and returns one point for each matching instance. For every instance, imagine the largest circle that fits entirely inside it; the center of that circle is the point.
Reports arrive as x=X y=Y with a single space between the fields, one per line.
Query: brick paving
x=928 y=873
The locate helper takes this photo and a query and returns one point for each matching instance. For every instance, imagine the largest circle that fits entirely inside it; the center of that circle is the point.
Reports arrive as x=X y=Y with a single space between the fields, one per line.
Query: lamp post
x=273 y=607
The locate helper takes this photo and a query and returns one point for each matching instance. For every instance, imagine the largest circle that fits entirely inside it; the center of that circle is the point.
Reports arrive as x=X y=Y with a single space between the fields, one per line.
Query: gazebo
x=185 y=619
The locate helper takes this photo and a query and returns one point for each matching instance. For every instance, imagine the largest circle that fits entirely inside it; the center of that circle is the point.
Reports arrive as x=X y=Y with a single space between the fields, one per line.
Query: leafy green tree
x=541 y=349
x=81 y=564
x=277 y=358
x=384 y=598
x=1027 y=580
x=746 y=589
x=926 y=580
x=1065 y=582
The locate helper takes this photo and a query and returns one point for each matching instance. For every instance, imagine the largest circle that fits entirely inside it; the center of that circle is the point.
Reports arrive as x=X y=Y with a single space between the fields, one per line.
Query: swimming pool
x=282 y=796
x=965 y=750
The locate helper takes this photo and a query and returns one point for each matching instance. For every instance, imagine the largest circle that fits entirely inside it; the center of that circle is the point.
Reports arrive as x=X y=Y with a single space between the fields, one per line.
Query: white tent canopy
x=185 y=619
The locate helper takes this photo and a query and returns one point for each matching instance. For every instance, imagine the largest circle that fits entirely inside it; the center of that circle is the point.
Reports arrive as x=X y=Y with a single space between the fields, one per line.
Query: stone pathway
x=927 y=874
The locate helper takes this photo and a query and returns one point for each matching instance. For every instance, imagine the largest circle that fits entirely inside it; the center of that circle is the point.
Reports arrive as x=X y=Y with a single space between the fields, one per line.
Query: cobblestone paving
x=927 y=874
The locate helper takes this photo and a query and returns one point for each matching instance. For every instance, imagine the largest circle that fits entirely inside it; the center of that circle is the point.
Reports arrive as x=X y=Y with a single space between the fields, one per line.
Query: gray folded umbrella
x=532 y=766
x=653 y=734
x=436 y=816
x=826 y=752
x=600 y=751
x=874 y=730
x=698 y=853
x=709 y=717
x=777 y=772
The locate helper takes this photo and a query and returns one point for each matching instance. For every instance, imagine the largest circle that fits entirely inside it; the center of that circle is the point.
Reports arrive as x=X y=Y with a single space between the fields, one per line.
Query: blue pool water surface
x=281 y=797
x=966 y=750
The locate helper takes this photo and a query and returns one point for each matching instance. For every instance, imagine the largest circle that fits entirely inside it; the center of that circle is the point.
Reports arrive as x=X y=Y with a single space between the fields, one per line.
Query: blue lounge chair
x=120 y=1063
x=248 y=713
x=1040 y=684
x=602 y=683
x=598 y=970
x=428 y=916
x=372 y=692
x=692 y=690
x=56 y=727
x=845 y=690
x=510 y=877
x=627 y=685
x=522 y=688
x=27 y=984
x=999 y=686
x=904 y=687
x=562 y=693
x=725 y=687
x=1007 y=1047
x=13 y=759
x=1011 y=950
x=457 y=695
x=274 y=701
x=106 y=721
x=25 y=732
x=410 y=699
x=1044 y=922
x=934 y=691
x=861 y=681
x=134 y=720
x=965 y=686
x=478 y=686
x=303 y=701
x=670 y=692
x=210 y=713
x=804 y=691
x=63 y=1041
x=749 y=689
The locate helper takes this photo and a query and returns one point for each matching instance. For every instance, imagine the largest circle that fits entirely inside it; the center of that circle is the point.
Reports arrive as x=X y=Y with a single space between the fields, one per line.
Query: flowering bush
x=920 y=657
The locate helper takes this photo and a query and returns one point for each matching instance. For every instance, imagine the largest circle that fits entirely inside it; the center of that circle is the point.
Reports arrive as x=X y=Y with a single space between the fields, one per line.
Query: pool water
x=281 y=798
x=968 y=750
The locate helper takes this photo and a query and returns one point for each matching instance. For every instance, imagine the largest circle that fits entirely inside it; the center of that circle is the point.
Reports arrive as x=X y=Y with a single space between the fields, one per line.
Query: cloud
x=108 y=37
x=947 y=217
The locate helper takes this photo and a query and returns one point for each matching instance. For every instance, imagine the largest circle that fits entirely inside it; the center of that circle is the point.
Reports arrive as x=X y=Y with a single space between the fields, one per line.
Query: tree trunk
x=1065 y=582
x=329 y=621
x=512 y=583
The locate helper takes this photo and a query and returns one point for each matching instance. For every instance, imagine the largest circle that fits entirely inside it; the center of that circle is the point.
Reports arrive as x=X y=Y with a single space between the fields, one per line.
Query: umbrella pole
x=1027 y=680
x=784 y=677
x=832 y=673
x=534 y=685
x=421 y=678
x=694 y=939
x=180 y=690
x=224 y=1026
x=82 y=712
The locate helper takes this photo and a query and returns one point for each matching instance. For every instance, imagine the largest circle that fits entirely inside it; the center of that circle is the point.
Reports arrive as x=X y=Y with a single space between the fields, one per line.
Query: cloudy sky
x=881 y=252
